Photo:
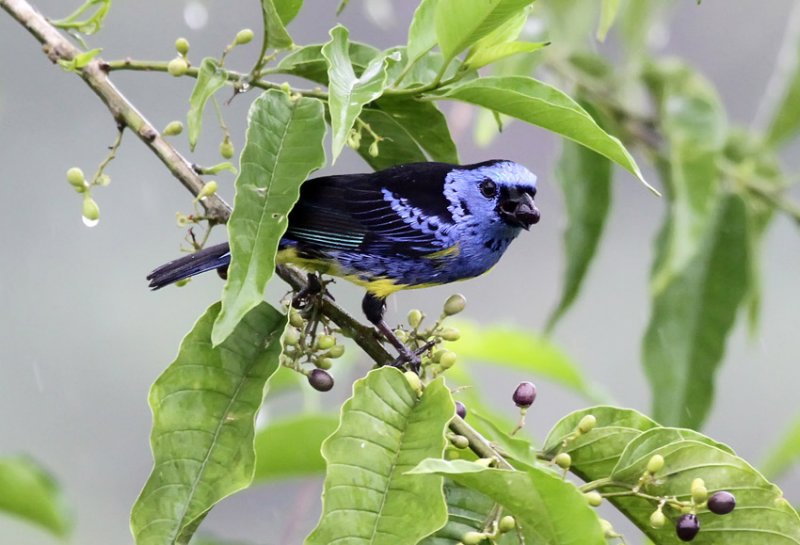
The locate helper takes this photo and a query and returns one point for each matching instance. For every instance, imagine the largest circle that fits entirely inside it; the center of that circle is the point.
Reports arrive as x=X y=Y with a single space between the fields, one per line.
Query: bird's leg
x=374 y=308
x=314 y=288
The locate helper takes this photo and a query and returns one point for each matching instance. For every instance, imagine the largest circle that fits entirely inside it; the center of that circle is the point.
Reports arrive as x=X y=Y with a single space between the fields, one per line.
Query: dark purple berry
x=721 y=503
x=320 y=380
x=461 y=409
x=524 y=394
x=687 y=527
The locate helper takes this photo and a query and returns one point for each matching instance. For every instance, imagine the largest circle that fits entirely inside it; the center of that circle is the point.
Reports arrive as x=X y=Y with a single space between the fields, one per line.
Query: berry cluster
x=302 y=345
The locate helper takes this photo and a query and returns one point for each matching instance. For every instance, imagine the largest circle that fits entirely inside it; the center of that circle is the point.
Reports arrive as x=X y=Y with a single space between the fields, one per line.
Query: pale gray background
x=81 y=338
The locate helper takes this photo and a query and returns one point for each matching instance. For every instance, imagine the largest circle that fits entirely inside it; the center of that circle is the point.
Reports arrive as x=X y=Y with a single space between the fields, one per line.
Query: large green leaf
x=290 y=447
x=540 y=104
x=461 y=23
x=585 y=179
x=761 y=515
x=692 y=316
x=284 y=145
x=385 y=431
x=522 y=350
x=29 y=492
x=482 y=57
x=204 y=408
x=307 y=62
x=210 y=79
x=275 y=34
x=608 y=12
x=548 y=510
x=409 y=127
x=595 y=454
x=348 y=93
x=422 y=31
x=785 y=454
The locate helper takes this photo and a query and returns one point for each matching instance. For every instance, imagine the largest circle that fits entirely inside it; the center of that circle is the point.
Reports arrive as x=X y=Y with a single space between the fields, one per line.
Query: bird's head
x=498 y=193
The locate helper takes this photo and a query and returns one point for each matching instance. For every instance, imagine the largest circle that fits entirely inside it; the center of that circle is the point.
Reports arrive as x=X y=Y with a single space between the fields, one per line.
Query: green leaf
x=422 y=31
x=461 y=23
x=384 y=432
x=308 y=62
x=521 y=350
x=32 y=494
x=692 y=317
x=785 y=454
x=287 y=9
x=761 y=514
x=549 y=510
x=409 y=127
x=488 y=55
x=290 y=447
x=595 y=454
x=284 y=144
x=79 y=61
x=540 y=104
x=204 y=407
x=90 y=24
x=585 y=179
x=275 y=34
x=210 y=79
x=516 y=447
x=785 y=122
x=608 y=12
x=348 y=93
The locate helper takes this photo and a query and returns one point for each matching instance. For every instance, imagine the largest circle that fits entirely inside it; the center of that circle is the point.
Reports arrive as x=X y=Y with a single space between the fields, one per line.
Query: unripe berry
x=507 y=523
x=103 y=180
x=244 y=36
x=699 y=491
x=325 y=342
x=608 y=529
x=655 y=463
x=587 y=423
x=76 y=179
x=455 y=304
x=721 y=503
x=226 y=149
x=336 y=351
x=173 y=128
x=473 y=538
x=461 y=409
x=658 y=519
x=524 y=395
x=182 y=46
x=291 y=337
x=296 y=319
x=594 y=498
x=450 y=334
x=459 y=441
x=687 y=527
x=447 y=359
x=563 y=460
x=413 y=381
x=320 y=380
x=177 y=67
x=207 y=190
x=373 y=149
x=91 y=212
x=323 y=363
x=414 y=318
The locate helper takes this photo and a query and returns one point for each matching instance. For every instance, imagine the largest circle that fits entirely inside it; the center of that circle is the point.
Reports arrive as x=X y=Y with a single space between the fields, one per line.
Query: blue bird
x=409 y=226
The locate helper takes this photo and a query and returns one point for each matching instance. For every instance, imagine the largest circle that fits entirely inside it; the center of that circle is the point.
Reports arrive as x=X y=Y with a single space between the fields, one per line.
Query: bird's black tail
x=213 y=257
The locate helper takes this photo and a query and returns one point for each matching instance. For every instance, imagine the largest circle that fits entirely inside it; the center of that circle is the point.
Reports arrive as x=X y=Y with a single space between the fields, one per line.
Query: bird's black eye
x=488 y=188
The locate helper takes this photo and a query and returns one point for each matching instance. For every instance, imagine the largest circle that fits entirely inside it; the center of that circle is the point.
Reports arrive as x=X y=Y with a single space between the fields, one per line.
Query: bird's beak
x=520 y=210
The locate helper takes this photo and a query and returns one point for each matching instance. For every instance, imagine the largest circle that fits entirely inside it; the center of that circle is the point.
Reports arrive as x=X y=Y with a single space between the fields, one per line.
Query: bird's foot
x=315 y=289
x=412 y=359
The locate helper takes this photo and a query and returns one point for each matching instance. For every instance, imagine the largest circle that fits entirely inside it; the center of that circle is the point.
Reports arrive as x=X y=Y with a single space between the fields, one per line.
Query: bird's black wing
x=353 y=213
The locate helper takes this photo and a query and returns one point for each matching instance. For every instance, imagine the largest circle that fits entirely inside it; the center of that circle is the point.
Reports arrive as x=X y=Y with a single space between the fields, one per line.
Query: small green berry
x=450 y=334
x=587 y=423
x=594 y=498
x=373 y=149
x=177 y=66
x=291 y=337
x=296 y=319
x=336 y=351
x=447 y=359
x=103 y=180
x=226 y=149
x=658 y=519
x=207 y=190
x=323 y=363
x=244 y=36
x=455 y=304
x=91 y=212
x=76 y=179
x=473 y=538
x=699 y=491
x=608 y=529
x=413 y=381
x=414 y=318
x=563 y=460
x=354 y=139
x=325 y=342
x=173 y=128
x=182 y=46
x=655 y=463
x=507 y=523
x=459 y=441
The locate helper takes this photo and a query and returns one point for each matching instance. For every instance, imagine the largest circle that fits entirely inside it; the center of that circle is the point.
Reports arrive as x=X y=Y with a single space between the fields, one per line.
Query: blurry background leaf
x=291 y=447
x=783 y=455
x=210 y=79
x=608 y=12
